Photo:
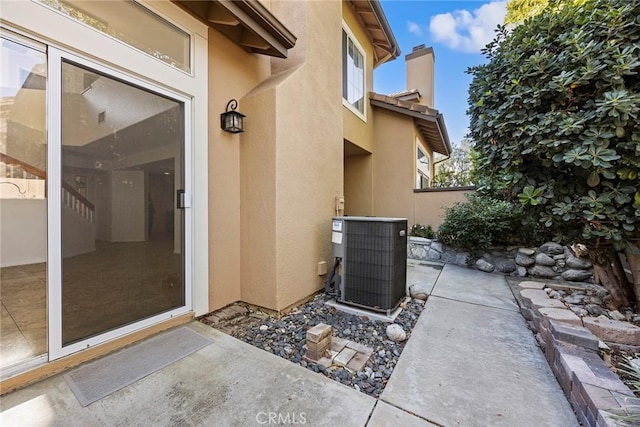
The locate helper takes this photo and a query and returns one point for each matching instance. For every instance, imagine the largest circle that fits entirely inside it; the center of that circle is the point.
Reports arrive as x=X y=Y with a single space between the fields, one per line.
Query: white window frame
x=361 y=114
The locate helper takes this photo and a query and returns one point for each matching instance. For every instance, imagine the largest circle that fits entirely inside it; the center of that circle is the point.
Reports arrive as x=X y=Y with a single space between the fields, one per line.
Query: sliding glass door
x=23 y=201
x=118 y=152
x=121 y=232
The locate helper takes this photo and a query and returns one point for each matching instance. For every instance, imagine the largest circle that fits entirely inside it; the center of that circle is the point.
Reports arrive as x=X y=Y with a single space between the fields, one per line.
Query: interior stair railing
x=71 y=198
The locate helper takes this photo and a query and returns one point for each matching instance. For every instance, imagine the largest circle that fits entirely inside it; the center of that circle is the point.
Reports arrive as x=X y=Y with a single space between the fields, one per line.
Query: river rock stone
x=524 y=260
x=504 y=265
x=595 y=310
x=541 y=271
x=544 y=259
x=420 y=291
x=527 y=251
x=575 y=299
x=484 y=265
x=396 y=333
x=573 y=275
x=578 y=263
x=552 y=248
x=520 y=271
x=417 y=252
x=462 y=258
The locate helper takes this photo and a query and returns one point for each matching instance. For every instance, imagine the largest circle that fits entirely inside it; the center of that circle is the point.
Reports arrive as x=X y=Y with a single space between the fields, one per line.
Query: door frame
x=55 y=56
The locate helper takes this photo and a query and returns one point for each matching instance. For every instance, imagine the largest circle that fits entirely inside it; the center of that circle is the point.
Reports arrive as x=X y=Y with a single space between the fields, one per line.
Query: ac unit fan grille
x=375 y=263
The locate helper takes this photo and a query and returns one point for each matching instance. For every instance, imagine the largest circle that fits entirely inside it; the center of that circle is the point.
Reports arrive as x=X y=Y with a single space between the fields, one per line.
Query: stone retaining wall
x=593 y=390
x=549 y=261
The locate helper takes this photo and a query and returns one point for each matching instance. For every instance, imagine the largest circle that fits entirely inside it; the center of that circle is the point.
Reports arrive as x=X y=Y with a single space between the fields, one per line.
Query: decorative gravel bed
x=286 y=337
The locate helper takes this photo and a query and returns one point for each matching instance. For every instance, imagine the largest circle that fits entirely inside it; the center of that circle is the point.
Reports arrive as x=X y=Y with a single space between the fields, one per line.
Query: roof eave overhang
x=247 y=23
x=432 y=127
x=374 y=21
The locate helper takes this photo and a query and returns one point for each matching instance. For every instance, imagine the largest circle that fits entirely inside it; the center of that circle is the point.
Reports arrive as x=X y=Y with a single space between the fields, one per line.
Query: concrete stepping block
x=239 y=309
x=573 y=334
x=344 y=357
x=213 y=318
x=226 y=313
x=529 y=284
x=613 y=330
x=538 y=298
x=337 y=344
x=560 y=315
x=357 y=362
x=318 y=332
x=367 y=351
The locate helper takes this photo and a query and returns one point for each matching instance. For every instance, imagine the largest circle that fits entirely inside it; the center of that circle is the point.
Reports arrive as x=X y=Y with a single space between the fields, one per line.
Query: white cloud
x=414 y=28
x=468 y=31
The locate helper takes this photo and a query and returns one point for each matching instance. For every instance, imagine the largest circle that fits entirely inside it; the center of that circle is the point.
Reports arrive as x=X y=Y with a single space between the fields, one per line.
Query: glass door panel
x=23 y=204
x=122 y=233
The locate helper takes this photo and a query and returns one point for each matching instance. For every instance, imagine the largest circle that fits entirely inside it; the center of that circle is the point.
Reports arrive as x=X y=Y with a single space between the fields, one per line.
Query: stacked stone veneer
x=550 y=261
x=594 y=391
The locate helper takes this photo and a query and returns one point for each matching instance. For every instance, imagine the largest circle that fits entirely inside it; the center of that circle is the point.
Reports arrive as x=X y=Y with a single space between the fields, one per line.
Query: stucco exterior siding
x=292 y=166
x=393 y=172
x=429 y=205
x=232 y=73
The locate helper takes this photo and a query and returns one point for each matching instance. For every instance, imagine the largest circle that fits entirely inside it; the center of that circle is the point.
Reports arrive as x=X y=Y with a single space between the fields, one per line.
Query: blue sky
x=456 y=30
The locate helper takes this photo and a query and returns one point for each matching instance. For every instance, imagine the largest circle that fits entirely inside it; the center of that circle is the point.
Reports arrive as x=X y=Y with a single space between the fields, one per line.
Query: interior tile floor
x=23 y=313
x=117 y=284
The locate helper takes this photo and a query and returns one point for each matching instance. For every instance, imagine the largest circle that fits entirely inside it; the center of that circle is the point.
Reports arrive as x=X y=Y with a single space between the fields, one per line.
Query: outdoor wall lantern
x=231 y=120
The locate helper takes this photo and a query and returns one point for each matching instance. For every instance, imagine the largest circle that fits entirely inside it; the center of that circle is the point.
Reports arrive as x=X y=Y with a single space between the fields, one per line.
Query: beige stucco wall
x=358 y=185
x=232 y=73
x=429 y=206
x=394 y=173
x=291 y=163
x=393 y=170
x=357 y=130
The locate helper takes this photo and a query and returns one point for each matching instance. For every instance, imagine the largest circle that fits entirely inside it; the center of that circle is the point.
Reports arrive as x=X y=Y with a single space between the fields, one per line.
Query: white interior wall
x=23 y=234
x=128 y=221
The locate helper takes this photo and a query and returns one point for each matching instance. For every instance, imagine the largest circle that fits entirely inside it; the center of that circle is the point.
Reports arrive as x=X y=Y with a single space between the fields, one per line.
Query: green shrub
x=479 y=223
x=419 y=230
x=554 y=119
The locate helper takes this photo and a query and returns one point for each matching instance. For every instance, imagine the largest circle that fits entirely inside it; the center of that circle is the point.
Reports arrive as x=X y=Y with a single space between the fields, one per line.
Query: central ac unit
x=373 y=254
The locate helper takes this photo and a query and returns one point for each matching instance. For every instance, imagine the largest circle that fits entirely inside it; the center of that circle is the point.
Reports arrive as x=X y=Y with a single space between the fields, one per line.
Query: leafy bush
x=554 y=118
x=479 y=223
x=419 y=230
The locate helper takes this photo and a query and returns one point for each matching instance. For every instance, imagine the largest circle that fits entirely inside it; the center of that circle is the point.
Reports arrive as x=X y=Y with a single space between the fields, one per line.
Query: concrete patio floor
x=471 y=361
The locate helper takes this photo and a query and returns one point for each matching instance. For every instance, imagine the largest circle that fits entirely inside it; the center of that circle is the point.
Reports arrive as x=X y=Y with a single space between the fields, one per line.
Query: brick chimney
x=419 y=65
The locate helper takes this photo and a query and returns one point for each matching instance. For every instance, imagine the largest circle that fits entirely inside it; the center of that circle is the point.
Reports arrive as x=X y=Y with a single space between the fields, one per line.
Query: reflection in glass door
x=23 y=204
x=122 y=235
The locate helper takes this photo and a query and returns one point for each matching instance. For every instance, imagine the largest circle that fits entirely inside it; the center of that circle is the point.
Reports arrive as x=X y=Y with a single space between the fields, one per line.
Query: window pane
x=353 y=73
x=122 y=236
x=23 y=204
x=423 y=172
x=133 y=24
